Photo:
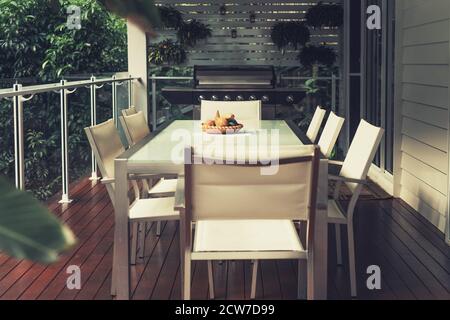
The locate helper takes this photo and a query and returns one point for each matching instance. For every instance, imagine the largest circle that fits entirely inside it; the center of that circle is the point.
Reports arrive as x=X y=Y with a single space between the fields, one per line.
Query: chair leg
x=210 y=280
x=302 y=280
x=337 y=228
x=134 y=241
x=158 y=228
x=254 y=279
x=187 y=280
x=113 y=272
x=142 y=234
x=351 y=258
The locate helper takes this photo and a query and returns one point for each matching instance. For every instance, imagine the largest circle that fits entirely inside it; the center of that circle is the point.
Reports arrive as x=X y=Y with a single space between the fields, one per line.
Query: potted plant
x=293 y=33
x=191 y=32
x=315 y=56
x=325 y=15
x=171 y=18
x=166 y=52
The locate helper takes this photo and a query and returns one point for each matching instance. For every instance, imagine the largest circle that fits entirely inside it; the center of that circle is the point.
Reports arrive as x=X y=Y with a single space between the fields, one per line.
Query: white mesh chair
x=128 y=112
x=330 y=134
x=105 y=142
x=316 y=122
x=240 y=214
x=136 y=128
x=353 y=174
x=243 y=110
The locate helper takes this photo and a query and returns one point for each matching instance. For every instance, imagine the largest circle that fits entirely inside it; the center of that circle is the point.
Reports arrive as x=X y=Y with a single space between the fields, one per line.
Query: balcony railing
x=19 y=94
x=158 y=116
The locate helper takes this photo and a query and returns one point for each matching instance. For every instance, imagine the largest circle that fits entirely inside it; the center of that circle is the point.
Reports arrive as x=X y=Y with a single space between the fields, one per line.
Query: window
x=378 y=51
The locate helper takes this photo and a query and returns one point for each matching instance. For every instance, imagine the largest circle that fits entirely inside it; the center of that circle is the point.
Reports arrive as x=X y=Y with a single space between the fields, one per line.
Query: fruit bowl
x=222 y=125
x=222 y=130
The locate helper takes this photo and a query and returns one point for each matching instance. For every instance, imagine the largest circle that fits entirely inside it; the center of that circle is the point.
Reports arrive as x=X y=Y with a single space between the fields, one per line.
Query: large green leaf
x=28 y=230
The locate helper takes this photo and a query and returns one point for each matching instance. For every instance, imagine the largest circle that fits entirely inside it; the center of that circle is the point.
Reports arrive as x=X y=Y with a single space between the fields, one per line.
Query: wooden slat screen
x=253 y=44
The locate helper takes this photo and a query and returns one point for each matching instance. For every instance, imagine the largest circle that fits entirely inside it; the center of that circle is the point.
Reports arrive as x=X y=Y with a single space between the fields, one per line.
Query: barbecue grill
x=235 y=83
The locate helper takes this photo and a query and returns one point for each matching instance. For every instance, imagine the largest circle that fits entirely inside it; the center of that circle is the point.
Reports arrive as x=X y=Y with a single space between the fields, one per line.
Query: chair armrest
x=335 y=163
x=179 y=195
x=140 y=176
x=349 y=180
x=107 y=180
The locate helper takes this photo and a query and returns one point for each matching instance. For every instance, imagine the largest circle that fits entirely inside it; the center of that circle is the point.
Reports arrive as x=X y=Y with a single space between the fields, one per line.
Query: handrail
x=153 y=77
x=41 y=88
x=19 y=94
x=306 y=78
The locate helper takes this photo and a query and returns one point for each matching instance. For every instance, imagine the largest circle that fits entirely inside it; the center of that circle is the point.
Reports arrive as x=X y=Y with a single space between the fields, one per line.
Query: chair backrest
x=330 y=134
x=316 y=122
x=135 y=127
x=105 y=142
x=106 y=145
x=361 y=153
x=243 y=110
x=241 y=192
x=131 y=110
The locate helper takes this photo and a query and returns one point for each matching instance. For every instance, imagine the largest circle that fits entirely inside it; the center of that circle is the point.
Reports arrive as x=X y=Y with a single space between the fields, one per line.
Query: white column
x=138 y=66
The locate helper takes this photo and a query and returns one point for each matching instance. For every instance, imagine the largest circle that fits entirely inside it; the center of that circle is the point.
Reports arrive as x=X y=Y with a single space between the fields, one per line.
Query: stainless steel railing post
x=93 y=87
x=64 y=146
x=154 y=118
x=130 y=92
x=114 y=101
x=333 y=93
x=19 y=157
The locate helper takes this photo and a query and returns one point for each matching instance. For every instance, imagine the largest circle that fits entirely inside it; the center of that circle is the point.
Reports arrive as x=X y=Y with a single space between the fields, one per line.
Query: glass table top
x=169 y=144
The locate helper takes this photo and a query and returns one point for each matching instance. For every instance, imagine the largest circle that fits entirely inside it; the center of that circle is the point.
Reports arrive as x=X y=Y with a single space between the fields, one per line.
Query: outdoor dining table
x=162 y=152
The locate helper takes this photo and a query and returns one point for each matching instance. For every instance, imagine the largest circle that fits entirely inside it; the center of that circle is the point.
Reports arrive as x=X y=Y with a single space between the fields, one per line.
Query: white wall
x=422 y=121
x=137 y=66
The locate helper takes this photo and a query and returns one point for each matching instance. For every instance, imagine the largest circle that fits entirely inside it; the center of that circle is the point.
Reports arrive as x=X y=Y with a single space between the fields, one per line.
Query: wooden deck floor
x=412 y=255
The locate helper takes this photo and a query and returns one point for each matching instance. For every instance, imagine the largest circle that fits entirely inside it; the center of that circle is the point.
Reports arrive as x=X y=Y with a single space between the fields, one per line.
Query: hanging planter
x=317 y=55
x=166 y=52
x=191 y=32
x=325 y=15
x=171 y=18
x=290 y=34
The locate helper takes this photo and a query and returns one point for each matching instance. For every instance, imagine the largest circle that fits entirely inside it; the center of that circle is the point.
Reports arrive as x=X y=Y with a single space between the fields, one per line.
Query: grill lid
x=238 y=77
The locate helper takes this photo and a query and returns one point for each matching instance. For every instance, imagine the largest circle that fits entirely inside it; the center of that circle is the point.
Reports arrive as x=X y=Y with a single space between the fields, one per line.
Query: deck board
x=412 y=255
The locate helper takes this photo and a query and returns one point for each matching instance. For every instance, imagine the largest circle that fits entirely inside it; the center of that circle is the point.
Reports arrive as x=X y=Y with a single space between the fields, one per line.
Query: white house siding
x=423 y=88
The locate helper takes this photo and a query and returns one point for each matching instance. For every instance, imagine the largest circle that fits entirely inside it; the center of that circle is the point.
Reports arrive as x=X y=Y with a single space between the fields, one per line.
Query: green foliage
x=35 y=42
x=193 y=31
x=169 y=52
x=294 y=34
x=166 y=52
x=325 y=15
x=98 y=45
x=27 y=229
x=322 y=55
x=170 y=17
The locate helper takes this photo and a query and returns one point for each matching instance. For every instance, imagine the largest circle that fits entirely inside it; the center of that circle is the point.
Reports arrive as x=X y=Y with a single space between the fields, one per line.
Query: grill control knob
x=214 y=98
x=200 y=98
x=227 y=98
x=253 y=98
x=265 y=99
x=239 y=98
x=290 y=99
